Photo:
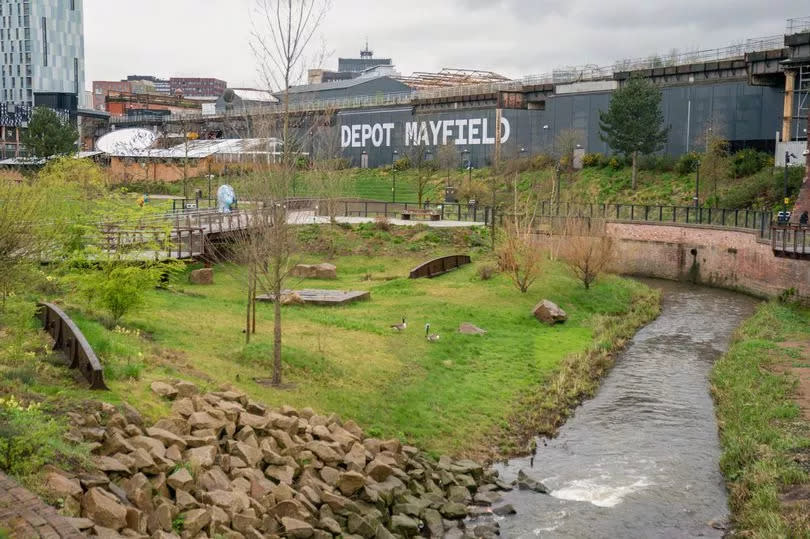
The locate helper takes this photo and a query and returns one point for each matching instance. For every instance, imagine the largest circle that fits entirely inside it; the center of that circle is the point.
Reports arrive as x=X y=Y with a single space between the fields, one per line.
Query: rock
x=186 y=389
x=201 y=457
x=195 y=520
x=315 y=271
x=153 y=446
x=181 y=479
x=61 y=486
x=433 y=520
x=111 y=465
x=503 y=510
x=292 y=298
x=458 y=494
x=297 y=528
x=164 y=390
x=350 y=482
x=132 y=415
x=525 y=482
x=549 y=313
x=331 y=525
x=251 y=455
x=324 y=452
x=201 y=276
x=468 y=329
x=80 y=524
x=407 y=526
x=453 y=510
x=103 y=508
x=378 y=470
x=168 y=438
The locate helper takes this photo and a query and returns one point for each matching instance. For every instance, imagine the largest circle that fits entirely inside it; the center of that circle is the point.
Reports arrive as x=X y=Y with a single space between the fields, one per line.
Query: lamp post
x=394 y=176
x=545 y=138
x=788 y=155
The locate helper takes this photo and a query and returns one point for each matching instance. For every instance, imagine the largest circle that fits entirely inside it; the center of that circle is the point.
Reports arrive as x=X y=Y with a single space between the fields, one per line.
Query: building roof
x=251 y=94
x=334 y=85
x=200 y=149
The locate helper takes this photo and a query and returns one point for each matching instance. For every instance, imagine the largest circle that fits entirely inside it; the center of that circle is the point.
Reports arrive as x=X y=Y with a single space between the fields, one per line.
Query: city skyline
x=212 y=37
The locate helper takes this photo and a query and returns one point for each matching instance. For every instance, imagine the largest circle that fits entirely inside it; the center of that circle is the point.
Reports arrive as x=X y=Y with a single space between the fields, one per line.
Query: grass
x=763 y=435
x=441 y=396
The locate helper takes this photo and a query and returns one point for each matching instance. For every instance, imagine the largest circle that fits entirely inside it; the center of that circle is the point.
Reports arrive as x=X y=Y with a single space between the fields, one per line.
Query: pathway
x=24 y=516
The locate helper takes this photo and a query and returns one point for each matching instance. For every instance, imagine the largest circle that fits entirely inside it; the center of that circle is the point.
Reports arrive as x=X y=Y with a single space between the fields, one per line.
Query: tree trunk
x=277 y=326
x=635 y=169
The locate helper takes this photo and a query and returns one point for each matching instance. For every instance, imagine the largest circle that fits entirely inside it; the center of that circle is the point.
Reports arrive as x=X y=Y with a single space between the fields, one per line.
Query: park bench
x=411 y=214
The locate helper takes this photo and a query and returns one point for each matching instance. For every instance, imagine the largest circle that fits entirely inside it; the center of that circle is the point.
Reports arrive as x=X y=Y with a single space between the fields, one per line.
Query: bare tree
x=586 y=248
x=564 y=145
x=519 y=254
x=447 y=159
x=281 y=38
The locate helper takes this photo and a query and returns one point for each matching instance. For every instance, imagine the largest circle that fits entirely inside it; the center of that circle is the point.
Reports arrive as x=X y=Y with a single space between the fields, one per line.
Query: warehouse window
x=44 y=42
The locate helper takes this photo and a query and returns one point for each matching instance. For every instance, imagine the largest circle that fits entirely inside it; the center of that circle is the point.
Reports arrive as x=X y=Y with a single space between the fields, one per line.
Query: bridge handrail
x=69 y=339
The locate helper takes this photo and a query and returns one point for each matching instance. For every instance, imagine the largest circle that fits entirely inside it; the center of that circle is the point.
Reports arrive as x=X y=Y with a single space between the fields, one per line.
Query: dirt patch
x=800 y=367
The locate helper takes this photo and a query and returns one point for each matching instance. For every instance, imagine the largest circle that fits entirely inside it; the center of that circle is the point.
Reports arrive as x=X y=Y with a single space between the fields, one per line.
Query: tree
x=281 y=38
x=48 y=134
x=585 y=248
x=448 y=159
x=633 y=122
x=519 y=255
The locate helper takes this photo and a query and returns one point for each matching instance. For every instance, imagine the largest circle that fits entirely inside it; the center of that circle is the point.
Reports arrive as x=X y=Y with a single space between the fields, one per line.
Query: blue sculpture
x=226 y=198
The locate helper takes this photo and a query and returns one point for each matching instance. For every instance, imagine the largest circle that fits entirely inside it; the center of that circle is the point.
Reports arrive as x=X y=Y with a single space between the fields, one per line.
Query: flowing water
x=640 y=459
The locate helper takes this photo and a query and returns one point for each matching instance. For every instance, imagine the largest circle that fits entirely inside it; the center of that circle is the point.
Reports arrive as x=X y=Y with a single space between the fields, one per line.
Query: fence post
x=687 y=215
x=459 y=212
x=632 y=212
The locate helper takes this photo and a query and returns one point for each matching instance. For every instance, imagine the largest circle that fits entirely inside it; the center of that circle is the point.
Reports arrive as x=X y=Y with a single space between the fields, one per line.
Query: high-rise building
x=42 y=50
x=41 y=62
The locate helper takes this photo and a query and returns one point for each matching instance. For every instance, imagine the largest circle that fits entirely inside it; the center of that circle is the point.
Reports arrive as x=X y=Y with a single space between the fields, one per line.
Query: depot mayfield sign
x=472 y=131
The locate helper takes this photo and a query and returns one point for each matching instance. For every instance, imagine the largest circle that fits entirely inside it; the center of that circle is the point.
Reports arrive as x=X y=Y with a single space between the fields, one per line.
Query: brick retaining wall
x=25 y=516
x=725 y=258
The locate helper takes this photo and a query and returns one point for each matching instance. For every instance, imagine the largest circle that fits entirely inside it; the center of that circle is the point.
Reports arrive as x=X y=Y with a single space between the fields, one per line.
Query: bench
x=411 y=214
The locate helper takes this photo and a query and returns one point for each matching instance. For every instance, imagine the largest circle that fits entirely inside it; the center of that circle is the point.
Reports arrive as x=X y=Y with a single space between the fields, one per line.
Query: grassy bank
x=606 y=184
x=445 y=397
x=765 y=437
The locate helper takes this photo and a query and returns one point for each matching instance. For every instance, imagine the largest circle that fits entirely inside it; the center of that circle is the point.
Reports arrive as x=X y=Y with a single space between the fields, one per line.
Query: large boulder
x=315 y=271
x=529 y=483
x=549 y=313
x=202 y=276
x=103 y=508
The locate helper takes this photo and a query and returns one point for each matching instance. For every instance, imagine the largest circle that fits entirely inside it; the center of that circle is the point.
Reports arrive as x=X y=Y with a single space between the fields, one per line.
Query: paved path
x=24 y=516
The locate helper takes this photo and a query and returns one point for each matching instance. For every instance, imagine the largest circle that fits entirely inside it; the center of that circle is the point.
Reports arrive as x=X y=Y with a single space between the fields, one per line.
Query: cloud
x=513 y=37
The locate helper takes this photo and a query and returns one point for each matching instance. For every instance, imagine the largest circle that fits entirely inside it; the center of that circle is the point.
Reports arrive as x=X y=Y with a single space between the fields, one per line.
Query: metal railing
x=790 y=240
x=447 y=211
x=797 y=25
x=679 y=215
x=69 y=339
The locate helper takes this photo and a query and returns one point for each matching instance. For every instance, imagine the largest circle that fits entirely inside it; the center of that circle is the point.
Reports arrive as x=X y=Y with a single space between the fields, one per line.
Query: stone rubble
x=222 y=465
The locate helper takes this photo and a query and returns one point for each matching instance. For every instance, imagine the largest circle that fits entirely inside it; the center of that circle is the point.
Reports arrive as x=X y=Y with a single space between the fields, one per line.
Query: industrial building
x=754 y=94
x=350 y=68
x=42 y=53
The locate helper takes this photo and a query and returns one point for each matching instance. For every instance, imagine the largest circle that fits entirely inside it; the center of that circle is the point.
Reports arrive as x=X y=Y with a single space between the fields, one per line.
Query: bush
x=687 y=163
x=615 y=163
x=748 y=162
x=592 y=160
x=403 y=163
x=657 y=163
x=542 y=161
x=30 y=439
x=381 y=222
x=487 y=272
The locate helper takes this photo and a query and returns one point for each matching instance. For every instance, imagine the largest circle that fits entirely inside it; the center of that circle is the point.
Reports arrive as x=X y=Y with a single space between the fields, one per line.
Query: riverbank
x=761 y=389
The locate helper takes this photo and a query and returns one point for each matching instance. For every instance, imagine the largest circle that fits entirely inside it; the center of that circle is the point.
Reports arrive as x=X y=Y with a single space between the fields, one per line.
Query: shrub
x=486 y=272
x=381 y=222
x=687 y=163
x=657 y=163
x=403 y=163
x=748 y=162
x=30 y=439
x=541 y=161
x=615 y=163
x=592 y=160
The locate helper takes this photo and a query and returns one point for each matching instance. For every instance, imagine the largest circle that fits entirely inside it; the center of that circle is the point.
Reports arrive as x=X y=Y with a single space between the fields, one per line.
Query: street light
x=394 y=176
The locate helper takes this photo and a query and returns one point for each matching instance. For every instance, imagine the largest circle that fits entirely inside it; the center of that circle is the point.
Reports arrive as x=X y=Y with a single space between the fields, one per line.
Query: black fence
x=790 y=240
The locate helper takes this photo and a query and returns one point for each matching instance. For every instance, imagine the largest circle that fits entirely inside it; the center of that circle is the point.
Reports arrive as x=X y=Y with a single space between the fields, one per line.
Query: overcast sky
x=511 y=37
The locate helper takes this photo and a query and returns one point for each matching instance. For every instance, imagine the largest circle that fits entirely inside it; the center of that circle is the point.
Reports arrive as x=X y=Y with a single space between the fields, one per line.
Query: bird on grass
x=431 y=337
x=400 y=327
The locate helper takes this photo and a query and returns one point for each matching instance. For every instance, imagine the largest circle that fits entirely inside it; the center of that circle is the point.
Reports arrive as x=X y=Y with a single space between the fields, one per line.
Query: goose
x=431 y=337
x=400 y=327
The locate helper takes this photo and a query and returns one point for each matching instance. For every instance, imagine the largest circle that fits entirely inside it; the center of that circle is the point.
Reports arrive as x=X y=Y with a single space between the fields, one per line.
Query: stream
x=641 y=458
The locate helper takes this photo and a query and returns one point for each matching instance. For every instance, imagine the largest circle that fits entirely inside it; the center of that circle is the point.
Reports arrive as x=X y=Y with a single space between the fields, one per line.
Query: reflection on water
x=641 y=458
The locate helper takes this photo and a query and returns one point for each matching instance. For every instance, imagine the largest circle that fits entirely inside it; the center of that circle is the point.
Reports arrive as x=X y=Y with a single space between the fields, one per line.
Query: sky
x=512 y=37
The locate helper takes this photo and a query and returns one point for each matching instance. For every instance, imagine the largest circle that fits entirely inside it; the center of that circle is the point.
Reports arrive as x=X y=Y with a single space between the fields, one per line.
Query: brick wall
x=719 y=257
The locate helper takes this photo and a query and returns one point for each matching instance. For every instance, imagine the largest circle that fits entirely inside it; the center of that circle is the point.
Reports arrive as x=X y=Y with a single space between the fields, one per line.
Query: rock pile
x=222 y=465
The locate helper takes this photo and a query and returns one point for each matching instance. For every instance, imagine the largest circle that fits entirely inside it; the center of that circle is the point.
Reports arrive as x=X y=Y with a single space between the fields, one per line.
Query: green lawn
x=442 y=396
x=766 y=442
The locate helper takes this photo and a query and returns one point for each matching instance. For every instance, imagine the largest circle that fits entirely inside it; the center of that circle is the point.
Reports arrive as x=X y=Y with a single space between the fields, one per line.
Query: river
x=641 y=458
